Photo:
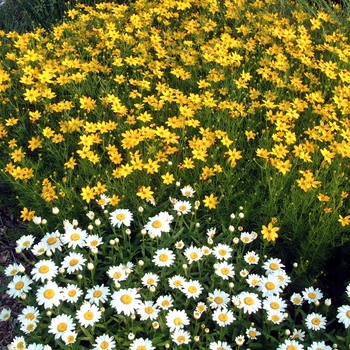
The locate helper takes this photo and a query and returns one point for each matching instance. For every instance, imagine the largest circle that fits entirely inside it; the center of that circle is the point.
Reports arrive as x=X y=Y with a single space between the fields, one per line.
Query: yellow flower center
x=19 y=285
x=51 y=240
x=163 y=257
x=181 y=338
x=70 y=339
x=150 y=281
x=149 y=310
x=117 y=275
x=72 y=292
x=88 y=315
x=30 y=316
x=126 y=299
x=193 y=255
x=274 y=305
x=62 y=327
x=165 y=303
x=316 y=321
x=141 y=347
x=348 y=314
x=218 y=300
x=121 y=216
x=75 y=236
x=20 y=345
x=177 y=283
x=252 y=334
x=182 y=207
x=275 y=318
x=248 y=301
x=49 y=293
x=26 y=243
x=157 y=224
x=93 y=243
x=223 y=317
x=97 y=293
x=312 y=295
x=30 y=327
x=177 y=321
x=225 y=271
x=192 y=289
x=104 y=345
x=270 y=286
x=73 y=262
x=222 y=252
x=274 y=266
x=44 y=269
x=292 y=347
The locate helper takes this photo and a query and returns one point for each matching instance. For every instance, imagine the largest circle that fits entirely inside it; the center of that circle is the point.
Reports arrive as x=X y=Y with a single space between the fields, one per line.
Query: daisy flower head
x=141 y=343
x=319 y=345
x=117 y=273
x=240 y=340
x=275 y=316
x=269 y=285
x=176 y=319
x=218 y=299
x=176 y=282
x=180 y=337
x=30 y=313
x=39 y=248
x=253 y=280
x=251 y=258
x=19 y=285
x=148 y=311
x=73 y=262
x=18 y=343
x=344 y=315
x=163 y=257
x=272 y=265
x=52 y=241
x=206 y=250
x=249 y=302
x=74 y=237
x=49 y=295
x=224 y=270
x=192 y=289
x=28 y=326
x=274 y=302
x=312 y=295
x=247 y=237
x=297 y=334
x=71 y=293
x=93 y=241
x=150 y=279
x=25 y=242
x=222 y=251
x=187 y=191
x=252 y=333
x=5 y=314
x=179 y=244
x=88 y=314
x=60 y=324
x=223 y=317
x=193 y=254
x=121 y=217
x=290 y=344
x=103 y=200
x=219 y=345
x=165 y=302
x=12 y=270
x=282 y=277
x=97 y=294
x=158 y=224
x=44 y=270
x=104 y=342
x=69 y=337
x=315 y=321
x=182 y=207
x=297 y=299
x=126 y=301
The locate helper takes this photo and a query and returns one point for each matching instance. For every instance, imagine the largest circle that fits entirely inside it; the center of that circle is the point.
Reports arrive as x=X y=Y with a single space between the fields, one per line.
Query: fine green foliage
x=179 y=131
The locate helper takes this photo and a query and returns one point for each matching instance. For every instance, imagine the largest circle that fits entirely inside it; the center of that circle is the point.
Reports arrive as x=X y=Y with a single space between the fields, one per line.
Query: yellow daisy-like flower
x=270 y=232
x=210 y=201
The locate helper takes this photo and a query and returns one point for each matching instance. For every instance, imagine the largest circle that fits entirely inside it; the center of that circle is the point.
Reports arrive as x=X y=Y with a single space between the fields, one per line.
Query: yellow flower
x=270 y=232
x=27 y=215
x=145 y=192
x=210 y=201
x=344 y=220
x=87 y=193
x=168 y=178
x=323 y=198
x=87 y=103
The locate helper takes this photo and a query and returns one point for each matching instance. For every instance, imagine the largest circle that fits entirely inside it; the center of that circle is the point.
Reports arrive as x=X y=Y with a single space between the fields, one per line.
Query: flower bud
x=90 y=266
x=55 y=210
x=43 y=221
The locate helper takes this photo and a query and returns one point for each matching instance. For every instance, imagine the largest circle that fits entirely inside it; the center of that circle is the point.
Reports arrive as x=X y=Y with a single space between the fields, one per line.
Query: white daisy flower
x=88 y=314
x=269 y=285
x=60 y=324
x=206 y=250
x=319 y=345
x=315 y=321
x=297 y=334
x=223 y=317
x=73 y=262
x=290 y=344
x=201 y=307
x=35 y=346
x=192 y=289
x=193 y=254
x=69 y=337
x=247 y=237
x=251 y=258
x=211 y=232
x=126 y=301
x=5 y=314
x=344 y=315
x=282 y=277
x=93 y=241
x=28 y=326
x=222 y=251
x=165 y=302
x=44 y=270
x=240 y=340
x=219 y=345
x=179 y=244
x=74 y=237
x=12 y=270
x=252 y=333
x=103 y=200
x=158 y=224
x=274 y=302
x=19 y=285
x=218 y=299
x=187 y=191
x=117 y=273
x=312 y=295
x=150 y=279
x=71 y=293
x=176 y=319
x=176 y=282
x=104 y=342
x=49 y=295
x=180 y=337
x=52 y=241
x=249 y=302
x=121 y=217
x=224 y=270
x=272 y=265
x=30 y=313
x=182 y=207
x=39 y=248
x=147 y=311
x=297 y=299
x=275 y=316
x=25 y=242
x=163 y=257
x=97 y=294
x=18 y=343
x=253 y=280
x=141 y=343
